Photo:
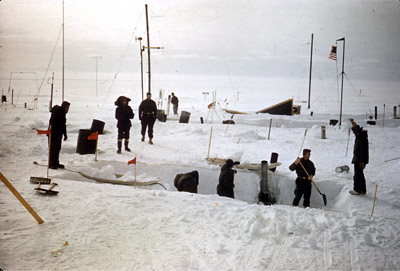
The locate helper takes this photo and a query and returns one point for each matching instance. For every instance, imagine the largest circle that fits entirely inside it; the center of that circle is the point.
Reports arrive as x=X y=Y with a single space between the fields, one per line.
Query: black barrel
x=184 y=118
x=161 y=116
x=3 y=98
x=274 y=159
x=85 y=146
x=98 y=125
x=333 y=122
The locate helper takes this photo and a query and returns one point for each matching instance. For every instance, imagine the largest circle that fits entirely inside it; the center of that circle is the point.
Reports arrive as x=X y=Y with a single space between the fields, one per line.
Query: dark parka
x=226 y=185
x=187 y=182
x=58 y=122
x=361 y=149
x=123 y=114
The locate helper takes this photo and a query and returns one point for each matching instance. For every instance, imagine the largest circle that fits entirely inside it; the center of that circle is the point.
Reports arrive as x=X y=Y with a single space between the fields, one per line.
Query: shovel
x=323 y=195
x=41 y=180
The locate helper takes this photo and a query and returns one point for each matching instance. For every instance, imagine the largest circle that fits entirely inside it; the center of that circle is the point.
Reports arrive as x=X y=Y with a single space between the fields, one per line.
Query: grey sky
x=263 y=38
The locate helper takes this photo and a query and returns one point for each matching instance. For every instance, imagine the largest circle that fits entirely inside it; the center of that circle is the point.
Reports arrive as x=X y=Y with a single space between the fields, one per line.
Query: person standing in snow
x=187 y=182
x=226 y=180
x=175 y=103
x=147 y=116
x=360 y=159
x=124 y=114
x=305 y=172
x=58 y=125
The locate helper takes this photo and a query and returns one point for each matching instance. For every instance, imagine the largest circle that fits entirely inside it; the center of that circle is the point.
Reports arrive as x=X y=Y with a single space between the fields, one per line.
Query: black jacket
x=148 y=110
x=361 y=149
x=187 y=182
x=308 y=165
x=58 y=120
x=124 y=114
x=174 y=100
x=226 y=185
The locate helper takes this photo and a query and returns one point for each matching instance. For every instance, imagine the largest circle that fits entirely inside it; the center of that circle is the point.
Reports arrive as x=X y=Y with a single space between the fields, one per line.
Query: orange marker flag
x=43 y=132
x=133 y=161
x=93 y=136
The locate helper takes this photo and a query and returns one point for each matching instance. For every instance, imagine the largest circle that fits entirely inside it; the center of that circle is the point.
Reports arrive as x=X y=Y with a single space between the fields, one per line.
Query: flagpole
x=309 y=87
x=341 y=98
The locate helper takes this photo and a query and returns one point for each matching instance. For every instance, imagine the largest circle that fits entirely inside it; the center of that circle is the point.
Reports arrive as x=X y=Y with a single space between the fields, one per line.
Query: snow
x=120 y=227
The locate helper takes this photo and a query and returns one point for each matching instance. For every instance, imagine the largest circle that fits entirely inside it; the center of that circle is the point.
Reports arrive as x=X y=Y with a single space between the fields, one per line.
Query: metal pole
x=52 y=88
x=341 y=98
x=63 y=54
x=309 y=87
x=148 y=46
x=263 y=197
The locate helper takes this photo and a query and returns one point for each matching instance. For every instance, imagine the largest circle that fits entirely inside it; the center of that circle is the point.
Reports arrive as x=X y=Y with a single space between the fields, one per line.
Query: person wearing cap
x=360 y=159
x=226 y=180
x=58 y=125
x=175 y=103
x=147 y=116
x=305 y=171
x=187 y=182
x=124 y=114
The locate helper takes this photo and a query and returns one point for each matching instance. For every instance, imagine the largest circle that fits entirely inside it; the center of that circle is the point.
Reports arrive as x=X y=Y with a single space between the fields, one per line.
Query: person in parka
x=226 y=180
x=360 y=159
x=58 y=125
x=175 y=103
x=124 y=114
x=147 y=116
x=187 y=182
x=303 y=180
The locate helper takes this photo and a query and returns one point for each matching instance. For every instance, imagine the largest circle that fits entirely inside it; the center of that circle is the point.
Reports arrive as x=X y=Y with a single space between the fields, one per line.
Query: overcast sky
x=264 y=38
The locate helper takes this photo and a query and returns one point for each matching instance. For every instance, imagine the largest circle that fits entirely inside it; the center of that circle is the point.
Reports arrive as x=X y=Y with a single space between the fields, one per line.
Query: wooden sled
x=252 y=166
x=45 y=191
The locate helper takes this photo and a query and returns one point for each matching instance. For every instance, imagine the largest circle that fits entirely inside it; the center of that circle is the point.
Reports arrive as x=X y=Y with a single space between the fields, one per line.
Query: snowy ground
x=118 y=227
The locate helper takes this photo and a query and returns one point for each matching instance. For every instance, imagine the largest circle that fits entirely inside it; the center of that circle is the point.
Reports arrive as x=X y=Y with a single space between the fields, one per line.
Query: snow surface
x=118 y=227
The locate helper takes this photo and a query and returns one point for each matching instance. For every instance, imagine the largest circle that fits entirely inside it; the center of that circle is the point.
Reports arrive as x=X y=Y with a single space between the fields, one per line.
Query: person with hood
x=175 y=103
x=124 y=114
x=360 y=159
x=58 y=125
x=305 y=170
x=187 y=182
x=147 y=116
x=226 y=180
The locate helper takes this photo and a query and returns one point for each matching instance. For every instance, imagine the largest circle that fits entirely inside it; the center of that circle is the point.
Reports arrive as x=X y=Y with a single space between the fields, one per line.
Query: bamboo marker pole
x=269 y=131
x=48 y=156
x=209 y=144
x=383 y=123
x=20 y=198
x=373 y=205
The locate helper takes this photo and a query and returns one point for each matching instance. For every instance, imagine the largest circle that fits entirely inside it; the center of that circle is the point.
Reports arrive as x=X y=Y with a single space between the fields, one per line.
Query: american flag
x=332 y=54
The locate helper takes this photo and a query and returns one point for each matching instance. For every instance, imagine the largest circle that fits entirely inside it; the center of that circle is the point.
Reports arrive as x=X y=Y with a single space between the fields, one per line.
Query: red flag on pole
x=211 y=105
x=133 y=161
x=93 y=136
x=43 y=132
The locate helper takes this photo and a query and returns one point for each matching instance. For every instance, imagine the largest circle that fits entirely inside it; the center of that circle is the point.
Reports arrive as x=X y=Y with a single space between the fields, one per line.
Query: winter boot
x=119 y=146
x=354 y=192
x=150 y=141
x=142 y=138
x=126 y=145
